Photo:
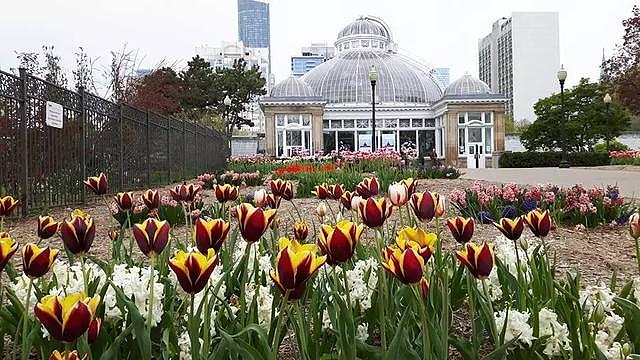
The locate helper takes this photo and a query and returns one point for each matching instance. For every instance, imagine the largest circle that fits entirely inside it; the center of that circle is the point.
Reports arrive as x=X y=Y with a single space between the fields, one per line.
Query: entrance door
x=475 y=147
x=297 y=142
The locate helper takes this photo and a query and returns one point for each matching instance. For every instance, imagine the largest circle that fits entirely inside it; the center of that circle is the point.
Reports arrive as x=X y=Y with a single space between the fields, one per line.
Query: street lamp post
x=562 y=76
x=373 y=76
x=607 y=103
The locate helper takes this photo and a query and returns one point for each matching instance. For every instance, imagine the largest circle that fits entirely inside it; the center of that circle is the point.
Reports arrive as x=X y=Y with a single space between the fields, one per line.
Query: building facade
x=520 y=59
x=329 y=108
x=310 y=57
x=442 y=75
x=253 y=23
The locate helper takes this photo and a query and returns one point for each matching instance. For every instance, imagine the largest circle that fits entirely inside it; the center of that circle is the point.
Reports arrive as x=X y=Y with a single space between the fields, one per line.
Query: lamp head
x=373 y=74
x=562 y=74
x=607 y=99
x=227 y=100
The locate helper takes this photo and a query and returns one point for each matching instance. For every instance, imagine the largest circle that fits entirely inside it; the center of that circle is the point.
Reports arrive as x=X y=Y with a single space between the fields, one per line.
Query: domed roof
x=345 y=79
x=366 y=25
x=467 y=85
x=291 y=87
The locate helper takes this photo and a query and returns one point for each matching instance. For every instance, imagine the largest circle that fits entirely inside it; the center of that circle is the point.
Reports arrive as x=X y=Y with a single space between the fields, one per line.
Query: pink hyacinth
x=550 y=197
x=165 y=200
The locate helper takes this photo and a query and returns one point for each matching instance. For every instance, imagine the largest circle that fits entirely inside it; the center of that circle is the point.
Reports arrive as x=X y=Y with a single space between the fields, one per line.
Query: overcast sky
x=439 y=33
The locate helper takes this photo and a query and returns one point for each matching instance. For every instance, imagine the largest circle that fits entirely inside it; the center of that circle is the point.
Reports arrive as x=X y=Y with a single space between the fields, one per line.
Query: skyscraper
x=311 y=56
x=520 y=59
x=442 y=75
x=253 y=23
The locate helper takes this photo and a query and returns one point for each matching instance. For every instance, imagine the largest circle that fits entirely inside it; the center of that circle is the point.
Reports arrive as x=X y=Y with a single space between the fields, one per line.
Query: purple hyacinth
x=529 y=204
x=484 y=217
x=509 y=211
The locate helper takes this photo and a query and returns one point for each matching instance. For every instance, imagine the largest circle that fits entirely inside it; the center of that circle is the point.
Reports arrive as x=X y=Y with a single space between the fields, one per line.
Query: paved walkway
x=628 y=181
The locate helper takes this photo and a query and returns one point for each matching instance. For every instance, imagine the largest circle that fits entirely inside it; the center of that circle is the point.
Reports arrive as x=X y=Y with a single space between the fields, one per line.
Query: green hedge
x=530 y=159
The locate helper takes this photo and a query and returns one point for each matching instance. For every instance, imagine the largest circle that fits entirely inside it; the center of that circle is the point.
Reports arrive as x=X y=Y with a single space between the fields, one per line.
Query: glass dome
x=345 y=79
x=291 y=87
x=467 y=85
x=365 y=33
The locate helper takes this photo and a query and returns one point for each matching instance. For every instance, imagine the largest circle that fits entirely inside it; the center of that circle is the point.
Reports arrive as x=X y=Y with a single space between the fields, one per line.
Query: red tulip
x=478 y=260
x=345 y=199
x=7 y=205
x=283 y=189
x=511 y=228
x=210 y=234
x=47 y=227
x=97 y=184
x=185 y=194
x=253 y=222
x=339 y=242
x=152 y=236
x=427 y=205
x=151 y=199
x=374 y=212
x=94 y=329
x=66 y=318
x=36 y=261
x=406 y=265
x=78 y=233
x=8 y=247
x=539 y=222
x=295 y=265
x=461 y=228
x=368 y=187
x=124 y=200
x=226 y=192
x=321 y=191
x=335 y=191
x=193 y=269
x=300 y=230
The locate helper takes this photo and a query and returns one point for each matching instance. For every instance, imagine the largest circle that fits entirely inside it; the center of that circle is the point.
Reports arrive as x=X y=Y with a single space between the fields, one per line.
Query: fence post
x=83 y=145
x=148 y=150
x=121 y=148
x=184 y=150
x=24 y=191
x=169 y=120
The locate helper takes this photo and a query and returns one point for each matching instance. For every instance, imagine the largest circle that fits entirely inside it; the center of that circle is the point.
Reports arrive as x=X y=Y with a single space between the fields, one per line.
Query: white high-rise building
x=520 y=59
x=224 y=57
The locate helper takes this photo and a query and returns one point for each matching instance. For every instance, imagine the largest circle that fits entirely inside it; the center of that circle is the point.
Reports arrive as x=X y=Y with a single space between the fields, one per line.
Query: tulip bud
x=94 y=329
x=322 y=210
x=275 y=224
x=355 y=202
x=300 y=230
x=598 y=313
x=626 y=350
x=634 y=226
x=114 y=234
x=524 y=244
x=260 y=197
x=424 y=287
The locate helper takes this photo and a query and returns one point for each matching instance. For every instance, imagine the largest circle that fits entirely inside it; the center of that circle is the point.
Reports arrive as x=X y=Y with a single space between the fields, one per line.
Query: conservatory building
x=330 y=107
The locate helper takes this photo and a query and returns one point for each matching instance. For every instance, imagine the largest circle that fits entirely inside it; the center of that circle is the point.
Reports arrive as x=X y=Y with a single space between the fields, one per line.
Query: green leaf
x=139 y=326
x=113 y=350
x=400 y=347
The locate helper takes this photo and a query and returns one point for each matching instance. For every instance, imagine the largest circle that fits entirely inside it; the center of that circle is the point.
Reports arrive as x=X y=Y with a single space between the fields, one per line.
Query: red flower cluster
x=298 y=168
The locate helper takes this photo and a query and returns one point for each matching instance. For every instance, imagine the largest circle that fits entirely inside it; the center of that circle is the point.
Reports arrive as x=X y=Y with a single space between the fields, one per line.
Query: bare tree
x=52 y=70
x=83 y=74
x=120 y=74
x=30 y=61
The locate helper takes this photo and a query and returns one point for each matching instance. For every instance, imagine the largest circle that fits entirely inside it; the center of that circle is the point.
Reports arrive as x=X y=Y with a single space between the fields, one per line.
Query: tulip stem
x=245 y=271
x=346 y=287
x=638 y=252
x=1 y=223
x=193 y=336
x=151 y=290
x=296 y=209
x=492 y=324
x=426 y=347
x=67 y=350
x=84 y=275
x=276 y=336
x=130 y=239
x=25 y=328
x=382 y=289
x=475 y=335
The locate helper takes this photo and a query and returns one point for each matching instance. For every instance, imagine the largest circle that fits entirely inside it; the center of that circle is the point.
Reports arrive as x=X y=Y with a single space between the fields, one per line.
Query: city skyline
x=46 y=23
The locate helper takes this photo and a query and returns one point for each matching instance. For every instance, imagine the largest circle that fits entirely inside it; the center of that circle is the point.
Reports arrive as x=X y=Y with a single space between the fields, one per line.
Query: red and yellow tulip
x=345 y=199
x=94 y=329
x=634 y=225
x=253 y=222
x=479 y=260
x=152 y=236
x=335 y=191
x=282 y=188
x=66 y=318
x=539 y=222
x=73 y=355
x=295 y=264
x=124 y=200
x=418 y=239
x=272 y=201
x=461 y=228
x=411 y=184
x=193 y=269
x=47 y=227
x=151 y=199
x=511 y=228
x=339 y=242
x=185 y=194
x=427 y=205
x=36 y=261
x=398 y=194
x=406 y=265
x=114 y=234
x=226 y=192
x=78 y=233
x=8 y=247
x=97 y=184
x=368 y=187
x=374 y=212
x=321 y=191
x=210 y=234
x=300 y=230
x=424 y=288
x=7 y=205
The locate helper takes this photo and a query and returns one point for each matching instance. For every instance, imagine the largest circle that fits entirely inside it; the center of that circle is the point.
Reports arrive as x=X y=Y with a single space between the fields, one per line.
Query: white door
x=475 y=147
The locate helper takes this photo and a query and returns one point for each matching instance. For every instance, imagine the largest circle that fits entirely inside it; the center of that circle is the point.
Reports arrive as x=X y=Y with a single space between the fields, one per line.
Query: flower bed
x=238 y=283
x=625 y=157
x=574 y=205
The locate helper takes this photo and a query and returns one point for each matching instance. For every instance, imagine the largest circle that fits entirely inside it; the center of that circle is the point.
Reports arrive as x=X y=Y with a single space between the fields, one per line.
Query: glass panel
x=362 y=124
x=472 y=149
x=475 y=135
x=475 y=116
x=279 y=120
x=426 y=142
x=293 y=119
x=378 y=123
x=416 y=123
x=408 y=140
x=391 y=123
x=487 y=139
x=306 y=119
x=461 y=141
x=307 y=139
x=280 y=143
x=364 y=140
x=325 y=124
x=336 y=124
x=388 y=139
x=346 y=141
x=441 y=141
x=461 y=119
x=294 y=138
x=329 y=138
x=429 y=123
x=405 y=123
x=365 y=43
x=349 y=124
x=488 y=117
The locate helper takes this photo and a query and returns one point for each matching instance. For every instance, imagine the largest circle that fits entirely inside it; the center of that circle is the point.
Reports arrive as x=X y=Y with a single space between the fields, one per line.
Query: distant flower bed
x=208 y=181
x=575 y=205
x=625 y=157
x=304 y=168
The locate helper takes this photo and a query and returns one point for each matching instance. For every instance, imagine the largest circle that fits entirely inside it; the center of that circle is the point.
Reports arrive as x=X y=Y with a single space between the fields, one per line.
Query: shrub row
x=530 y=159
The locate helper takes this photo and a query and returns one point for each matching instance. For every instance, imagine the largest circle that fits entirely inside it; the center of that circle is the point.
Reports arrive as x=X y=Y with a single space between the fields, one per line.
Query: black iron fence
x=45 y=166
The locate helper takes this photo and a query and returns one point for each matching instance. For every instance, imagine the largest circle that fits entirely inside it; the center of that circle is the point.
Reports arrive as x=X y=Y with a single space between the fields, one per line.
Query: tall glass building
x=253 y=23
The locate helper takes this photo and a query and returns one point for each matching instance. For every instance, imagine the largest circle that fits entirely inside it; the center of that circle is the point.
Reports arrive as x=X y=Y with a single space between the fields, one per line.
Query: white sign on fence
x=54 y=116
